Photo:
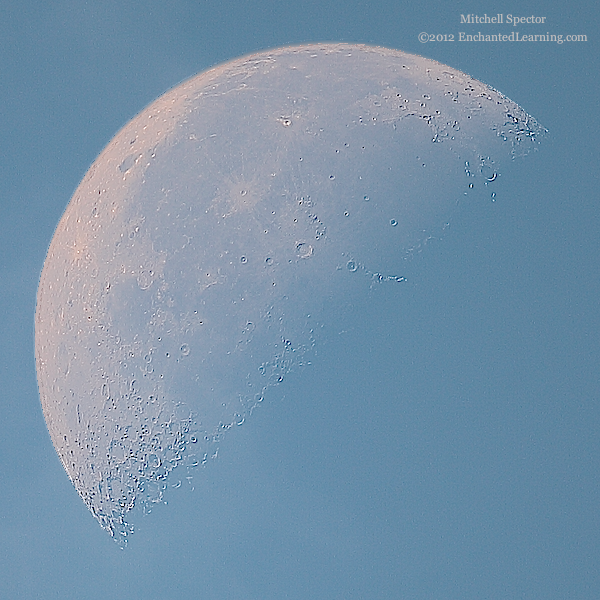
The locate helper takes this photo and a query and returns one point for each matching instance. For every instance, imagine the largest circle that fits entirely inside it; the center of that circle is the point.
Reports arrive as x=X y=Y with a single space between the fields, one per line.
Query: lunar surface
x=225 y=229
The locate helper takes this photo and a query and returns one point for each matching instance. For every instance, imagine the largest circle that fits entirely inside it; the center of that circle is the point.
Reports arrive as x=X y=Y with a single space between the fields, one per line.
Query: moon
x=226 y=229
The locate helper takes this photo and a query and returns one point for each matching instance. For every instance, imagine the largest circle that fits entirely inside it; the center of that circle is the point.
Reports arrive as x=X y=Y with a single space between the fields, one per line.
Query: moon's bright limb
x=219 y=231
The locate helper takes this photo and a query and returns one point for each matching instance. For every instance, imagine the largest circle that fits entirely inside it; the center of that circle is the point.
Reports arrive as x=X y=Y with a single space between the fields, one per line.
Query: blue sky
x=446 y=448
